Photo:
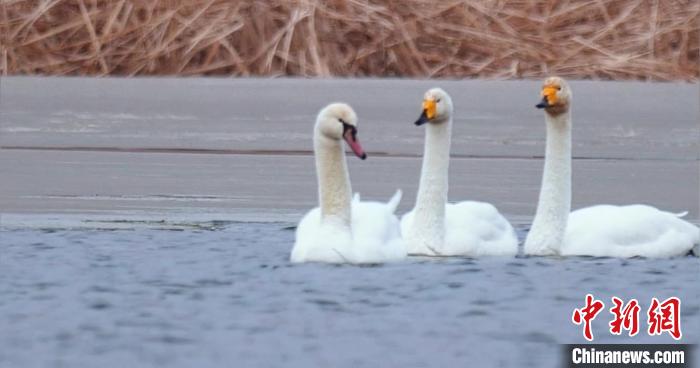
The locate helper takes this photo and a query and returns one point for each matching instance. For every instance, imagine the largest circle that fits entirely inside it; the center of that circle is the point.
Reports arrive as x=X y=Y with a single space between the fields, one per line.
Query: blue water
x=226 y=295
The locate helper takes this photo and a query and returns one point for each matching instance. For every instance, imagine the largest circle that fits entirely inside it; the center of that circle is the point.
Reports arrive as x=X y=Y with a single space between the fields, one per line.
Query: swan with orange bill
x=435 y=227
x=636 y=230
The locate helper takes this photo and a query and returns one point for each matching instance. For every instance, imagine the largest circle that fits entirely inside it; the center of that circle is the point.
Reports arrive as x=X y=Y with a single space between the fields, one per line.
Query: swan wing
x=628 y=231
x=393 y=203
x=356 y=197
x=375 y=236
x=478 y=229
x=376 y=232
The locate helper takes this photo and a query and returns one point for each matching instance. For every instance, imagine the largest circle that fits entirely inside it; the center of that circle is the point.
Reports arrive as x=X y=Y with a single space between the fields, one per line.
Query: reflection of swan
x=435 y=227
x=339 y=230
x=604 y=230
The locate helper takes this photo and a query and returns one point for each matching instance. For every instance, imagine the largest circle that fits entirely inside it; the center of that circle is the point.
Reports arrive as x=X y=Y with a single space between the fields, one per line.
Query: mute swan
x=603 y=230
x=435 y=227
x=341 y=230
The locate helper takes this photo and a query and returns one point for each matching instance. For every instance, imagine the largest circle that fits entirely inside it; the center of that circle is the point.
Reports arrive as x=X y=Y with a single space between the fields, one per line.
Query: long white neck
x=334 y=191
x=549 y=226
x=429 y=213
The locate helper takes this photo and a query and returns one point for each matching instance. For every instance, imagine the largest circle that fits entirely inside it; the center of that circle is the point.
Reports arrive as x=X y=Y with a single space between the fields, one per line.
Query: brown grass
x=600 y=39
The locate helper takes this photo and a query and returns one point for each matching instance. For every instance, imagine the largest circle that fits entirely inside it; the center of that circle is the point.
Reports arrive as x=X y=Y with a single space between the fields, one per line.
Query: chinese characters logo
x=662 y=316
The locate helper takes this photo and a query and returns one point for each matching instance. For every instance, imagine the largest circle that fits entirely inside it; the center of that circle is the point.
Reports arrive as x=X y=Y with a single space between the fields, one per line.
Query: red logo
x=665 y=317
x=625 y=318
x=587 y=314
x=661 y=317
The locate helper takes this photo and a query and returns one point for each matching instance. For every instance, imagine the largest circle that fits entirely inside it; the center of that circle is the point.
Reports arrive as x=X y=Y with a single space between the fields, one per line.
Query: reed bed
x=589 y=39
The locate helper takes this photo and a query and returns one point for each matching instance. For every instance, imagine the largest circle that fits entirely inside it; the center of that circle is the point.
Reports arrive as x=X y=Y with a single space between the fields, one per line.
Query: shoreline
x=164 y=148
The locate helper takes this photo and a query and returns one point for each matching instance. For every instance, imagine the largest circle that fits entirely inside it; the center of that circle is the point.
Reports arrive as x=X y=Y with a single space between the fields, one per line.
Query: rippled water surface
x=229 y=297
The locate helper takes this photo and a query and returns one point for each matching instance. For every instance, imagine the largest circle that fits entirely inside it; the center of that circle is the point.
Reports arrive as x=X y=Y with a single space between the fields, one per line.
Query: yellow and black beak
x=549 y=97
x=429 y=111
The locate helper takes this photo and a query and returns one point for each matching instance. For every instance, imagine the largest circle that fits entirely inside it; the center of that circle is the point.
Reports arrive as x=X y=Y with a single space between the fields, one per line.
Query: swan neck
x=555 y=194
x=334 y=189
x=433 y=187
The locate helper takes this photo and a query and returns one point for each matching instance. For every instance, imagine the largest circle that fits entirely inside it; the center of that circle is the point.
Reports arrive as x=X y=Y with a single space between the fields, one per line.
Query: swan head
x=437 y=107
x=338 y=121
x=556 y=96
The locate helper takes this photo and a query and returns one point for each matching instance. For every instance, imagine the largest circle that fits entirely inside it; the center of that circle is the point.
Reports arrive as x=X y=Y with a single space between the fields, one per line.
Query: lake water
x=224 y=294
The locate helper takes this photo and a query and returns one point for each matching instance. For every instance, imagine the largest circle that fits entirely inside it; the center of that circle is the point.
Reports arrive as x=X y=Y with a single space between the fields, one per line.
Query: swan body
x=472 y=229
x=628 y=231
x=435 y=227
x=374 y=237
x=603 y=230
x=341 y=229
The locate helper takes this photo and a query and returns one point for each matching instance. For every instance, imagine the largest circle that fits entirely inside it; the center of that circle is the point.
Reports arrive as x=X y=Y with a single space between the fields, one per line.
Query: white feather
x=341 y=229
x=374 y=237
x=628 y=231
x=435 y=227
x=472 y=229
x=356 y=197
x=603 y=230
x=394 y=201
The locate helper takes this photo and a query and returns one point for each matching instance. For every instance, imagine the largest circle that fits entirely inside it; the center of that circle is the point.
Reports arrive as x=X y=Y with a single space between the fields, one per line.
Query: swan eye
x=341 y=121
x=438 y=100
x=559 y=88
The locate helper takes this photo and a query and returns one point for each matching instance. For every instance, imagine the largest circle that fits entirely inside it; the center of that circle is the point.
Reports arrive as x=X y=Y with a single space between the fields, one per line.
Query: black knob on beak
x=543 y=104
x=422 y=119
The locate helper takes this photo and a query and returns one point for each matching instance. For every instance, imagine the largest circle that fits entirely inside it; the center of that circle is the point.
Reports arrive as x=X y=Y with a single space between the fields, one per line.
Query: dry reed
x=598 y=39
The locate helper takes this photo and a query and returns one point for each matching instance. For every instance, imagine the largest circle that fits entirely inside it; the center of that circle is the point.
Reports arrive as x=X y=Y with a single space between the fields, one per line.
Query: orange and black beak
x=429 y=111
x=549 y=97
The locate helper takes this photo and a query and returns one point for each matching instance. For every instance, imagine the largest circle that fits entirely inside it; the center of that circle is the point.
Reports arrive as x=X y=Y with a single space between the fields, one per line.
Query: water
x=226 y=295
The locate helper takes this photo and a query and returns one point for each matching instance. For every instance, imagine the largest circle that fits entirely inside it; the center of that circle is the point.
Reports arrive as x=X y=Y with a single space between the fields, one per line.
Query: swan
x=342 y=230
x=602 y=230
x=435 y=227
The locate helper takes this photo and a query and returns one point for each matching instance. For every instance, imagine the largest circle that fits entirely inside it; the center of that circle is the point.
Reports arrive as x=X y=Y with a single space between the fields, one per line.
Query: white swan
x=603 y=230
x=435 y=227
x=341 y=230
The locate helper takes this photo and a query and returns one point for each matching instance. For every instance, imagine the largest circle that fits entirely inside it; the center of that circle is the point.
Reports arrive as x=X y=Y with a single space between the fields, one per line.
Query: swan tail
x=681 y=214
x=394 y=201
